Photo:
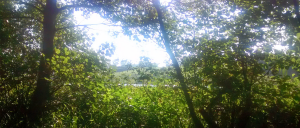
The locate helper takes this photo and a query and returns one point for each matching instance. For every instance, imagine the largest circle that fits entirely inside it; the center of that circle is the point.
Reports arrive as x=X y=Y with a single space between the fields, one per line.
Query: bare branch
x=85 y=25
x=100 y=6
x=56 y=89
x=267 y=73
x=31 y=5
x=76 y=6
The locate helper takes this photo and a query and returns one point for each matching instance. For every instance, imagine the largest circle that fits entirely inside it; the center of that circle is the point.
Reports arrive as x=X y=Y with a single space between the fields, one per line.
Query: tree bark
x=180 y=77
x=42 y=92
x=246 y=112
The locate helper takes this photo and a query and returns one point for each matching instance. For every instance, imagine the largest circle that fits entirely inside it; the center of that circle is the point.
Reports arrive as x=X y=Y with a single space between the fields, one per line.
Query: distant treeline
x=288 y=72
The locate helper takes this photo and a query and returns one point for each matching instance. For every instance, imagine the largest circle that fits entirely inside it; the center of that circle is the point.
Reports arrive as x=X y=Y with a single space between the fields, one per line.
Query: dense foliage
x=225 y=71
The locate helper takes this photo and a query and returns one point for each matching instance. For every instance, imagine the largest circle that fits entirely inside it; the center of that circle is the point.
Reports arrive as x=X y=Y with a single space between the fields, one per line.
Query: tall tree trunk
x=180 y=77
x=245 y=116
x=42 y=92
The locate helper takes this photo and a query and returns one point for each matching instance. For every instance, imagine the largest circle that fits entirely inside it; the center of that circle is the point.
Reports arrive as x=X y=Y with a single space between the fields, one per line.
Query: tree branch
x=82 y=6
x=75 y=6
x=180 y=77
x=85 y=25
x=267 y=73
x=208 y=119
x=23 y=17
x=31 y=5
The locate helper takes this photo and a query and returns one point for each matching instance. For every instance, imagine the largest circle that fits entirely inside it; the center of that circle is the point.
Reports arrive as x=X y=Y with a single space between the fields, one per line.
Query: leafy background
x=232 y=70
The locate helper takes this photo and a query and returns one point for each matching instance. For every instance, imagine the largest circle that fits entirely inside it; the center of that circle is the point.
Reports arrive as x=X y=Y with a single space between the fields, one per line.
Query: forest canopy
x=224 y=71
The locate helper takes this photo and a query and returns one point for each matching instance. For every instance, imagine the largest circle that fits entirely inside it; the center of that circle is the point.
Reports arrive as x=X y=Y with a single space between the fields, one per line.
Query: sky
x=126 y=49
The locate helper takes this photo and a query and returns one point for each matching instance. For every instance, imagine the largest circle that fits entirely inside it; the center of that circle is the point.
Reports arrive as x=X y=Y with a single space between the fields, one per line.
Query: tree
x=197 y=122
x=223 y=60
x=18 y=66
x=49 y=12
x=46 y=16
x=239 y=32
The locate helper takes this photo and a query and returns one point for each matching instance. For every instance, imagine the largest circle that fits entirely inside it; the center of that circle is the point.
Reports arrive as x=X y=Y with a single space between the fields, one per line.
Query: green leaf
x=57 y=51
x=65 y=60
x=298 y=36
x=67 y=52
